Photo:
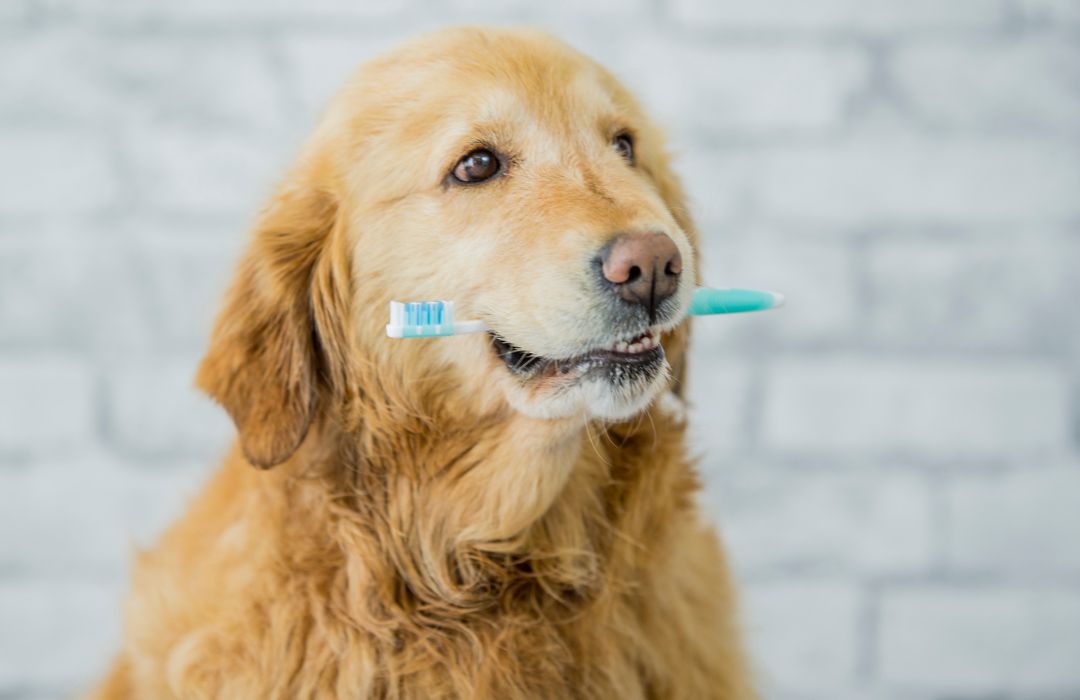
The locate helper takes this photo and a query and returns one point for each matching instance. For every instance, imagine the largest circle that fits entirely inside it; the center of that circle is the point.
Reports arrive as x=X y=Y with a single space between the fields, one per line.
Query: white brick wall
x=191 y=170
x=1020 y=83
x=153 y=409
x=84 y=98
x=876 y=16
x=219 y=82
x=250 y=13
x=885 y=176
x=981 y=641
x=742 y=88
x=893 y=459
x=57 y=633
x=943 y=409
x=110 y=506
x=1023 y=525
x=851 y=522
x=15 y=10
x=49 y=171
x=46 y=404
x=974 y=292
x=815 y=274
x=804 y=636
x=317 y=64
x=1049 y=12
x=45 y=277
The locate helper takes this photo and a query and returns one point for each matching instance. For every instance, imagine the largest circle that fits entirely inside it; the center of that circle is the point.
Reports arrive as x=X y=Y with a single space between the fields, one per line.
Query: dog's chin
x=611 y=383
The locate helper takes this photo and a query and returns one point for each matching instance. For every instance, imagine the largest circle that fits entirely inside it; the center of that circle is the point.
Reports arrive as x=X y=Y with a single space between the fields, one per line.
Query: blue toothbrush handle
x=708 y=301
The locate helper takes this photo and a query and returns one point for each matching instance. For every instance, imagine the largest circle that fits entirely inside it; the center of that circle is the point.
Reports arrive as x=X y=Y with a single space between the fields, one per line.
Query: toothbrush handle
x=469 y=327
x=437 y=330
x=708 y=301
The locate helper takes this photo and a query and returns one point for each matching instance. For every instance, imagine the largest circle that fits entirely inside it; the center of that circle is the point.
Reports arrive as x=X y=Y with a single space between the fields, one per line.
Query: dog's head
x=499 y=169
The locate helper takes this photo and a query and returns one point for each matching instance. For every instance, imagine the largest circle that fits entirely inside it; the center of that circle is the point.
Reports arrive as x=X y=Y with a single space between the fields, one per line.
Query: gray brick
x=1050 y=11
x=1022 y=524
x=24 y=693
x=53 y=76
x=79 y=294
x=716 y=394
x=888 y=177
x=241 y=12
x=84 y=515
x=317 y=66
x=154 y=409
x=944 y=409
x=46 y=404
x=567 y=11
x=803 y=635
x=57 y=634
x=817 y=276
x=839 y=15
x=46 y=171
x=207 y=82
x=740 y=89
x=184 y=271
x=974 y=292
x=866 y=523
x=719 y=186
x=970 y=641
x=1025 y=83
x=15 y=11
x=199 y=171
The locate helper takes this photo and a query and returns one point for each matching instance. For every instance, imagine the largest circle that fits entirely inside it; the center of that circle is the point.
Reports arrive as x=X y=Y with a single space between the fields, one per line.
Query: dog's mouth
x=626 y=358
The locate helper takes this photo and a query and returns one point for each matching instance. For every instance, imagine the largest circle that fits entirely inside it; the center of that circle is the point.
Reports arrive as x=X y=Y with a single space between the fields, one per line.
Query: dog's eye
x=624 y=145
x=476 y=166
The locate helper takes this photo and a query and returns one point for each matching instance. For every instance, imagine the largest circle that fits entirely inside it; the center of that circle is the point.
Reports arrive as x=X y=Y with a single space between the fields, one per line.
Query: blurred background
x=893 y=459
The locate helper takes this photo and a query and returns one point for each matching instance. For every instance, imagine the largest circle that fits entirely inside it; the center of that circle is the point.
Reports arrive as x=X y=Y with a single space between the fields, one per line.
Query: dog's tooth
x=646 y=342
x=621 y=346
x=635 y=348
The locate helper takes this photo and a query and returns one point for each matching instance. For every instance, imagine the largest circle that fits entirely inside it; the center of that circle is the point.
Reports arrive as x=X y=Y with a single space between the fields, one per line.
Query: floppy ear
x=266 y=352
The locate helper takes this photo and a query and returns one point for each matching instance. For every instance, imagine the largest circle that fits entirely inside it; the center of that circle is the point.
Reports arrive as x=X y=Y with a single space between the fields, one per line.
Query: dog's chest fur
x=302 y=583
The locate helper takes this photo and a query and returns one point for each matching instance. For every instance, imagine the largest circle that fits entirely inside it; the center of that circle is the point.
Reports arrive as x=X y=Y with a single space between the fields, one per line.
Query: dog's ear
x=268 y=351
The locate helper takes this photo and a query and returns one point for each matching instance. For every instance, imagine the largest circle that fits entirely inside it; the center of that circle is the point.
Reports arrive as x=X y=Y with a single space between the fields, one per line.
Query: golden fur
x=432 y=528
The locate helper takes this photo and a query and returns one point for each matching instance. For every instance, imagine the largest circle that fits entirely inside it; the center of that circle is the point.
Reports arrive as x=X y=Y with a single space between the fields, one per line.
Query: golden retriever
x=498 y=515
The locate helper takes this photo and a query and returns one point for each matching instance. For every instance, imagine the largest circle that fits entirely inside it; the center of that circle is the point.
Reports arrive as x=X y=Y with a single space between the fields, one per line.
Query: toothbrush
x=708 y=301
x=428 y=319
x=431 y=319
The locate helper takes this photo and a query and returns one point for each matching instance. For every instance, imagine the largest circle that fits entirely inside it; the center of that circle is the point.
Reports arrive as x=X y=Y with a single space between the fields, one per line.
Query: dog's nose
x=643 y=267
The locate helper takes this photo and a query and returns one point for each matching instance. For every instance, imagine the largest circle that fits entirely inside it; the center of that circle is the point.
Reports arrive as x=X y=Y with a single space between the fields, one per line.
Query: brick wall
x=893 y=459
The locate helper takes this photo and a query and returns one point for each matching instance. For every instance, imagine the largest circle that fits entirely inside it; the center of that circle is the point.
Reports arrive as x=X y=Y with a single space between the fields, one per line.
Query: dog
x=498 y=515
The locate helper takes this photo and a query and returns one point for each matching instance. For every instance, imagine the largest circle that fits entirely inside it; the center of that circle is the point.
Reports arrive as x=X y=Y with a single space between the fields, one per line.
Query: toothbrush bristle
x=426 y=313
